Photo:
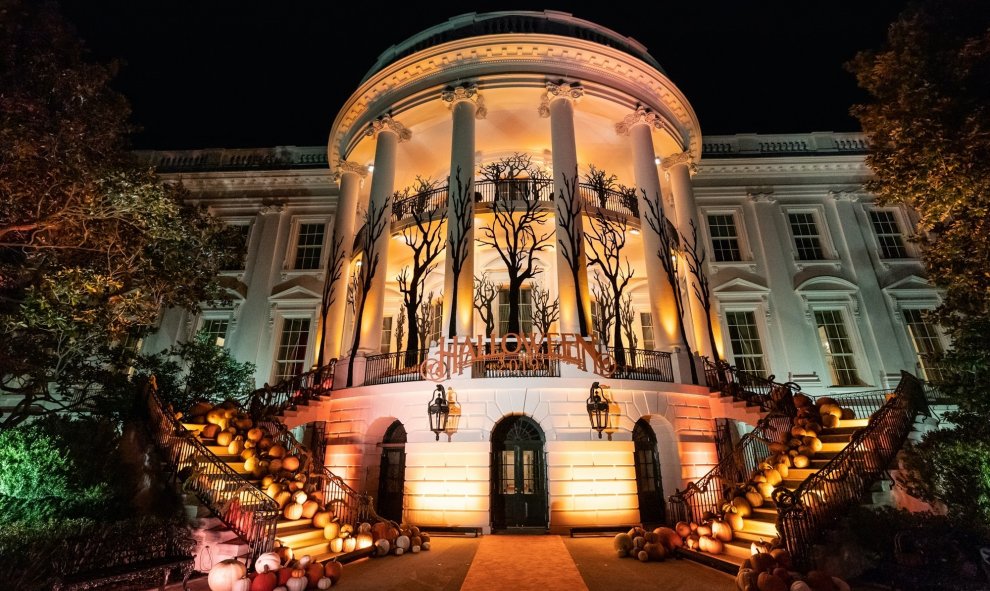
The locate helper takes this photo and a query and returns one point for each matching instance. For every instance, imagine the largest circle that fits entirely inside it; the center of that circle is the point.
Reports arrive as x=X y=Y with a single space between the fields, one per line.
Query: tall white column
x=388 y=133
x=572 y=287
x=350 y=175
x=679 y=168
x=466 y=105
x=639 y=126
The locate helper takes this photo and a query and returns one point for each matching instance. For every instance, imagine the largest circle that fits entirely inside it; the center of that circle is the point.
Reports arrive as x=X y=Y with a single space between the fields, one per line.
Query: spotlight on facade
x=439 y=412
x=371 y=168
x=657 y=161
x=598 y=410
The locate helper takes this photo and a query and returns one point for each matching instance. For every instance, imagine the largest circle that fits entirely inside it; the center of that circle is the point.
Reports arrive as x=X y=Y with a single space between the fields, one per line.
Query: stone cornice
x=559 y=90
x=468 y=93
x=838 y=166
x=623 y=78
x=387 y=123
x=346 y=166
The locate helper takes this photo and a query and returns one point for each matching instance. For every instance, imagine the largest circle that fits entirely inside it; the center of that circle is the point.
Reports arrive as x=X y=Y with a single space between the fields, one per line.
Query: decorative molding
x=820 y=165
x=559 y=90
x=761 y=195
x=386 y=123
x=844 y=195
x=345 y=166
x=272 y=208
x=465 y=93
x=640 y=115
x=681 y=158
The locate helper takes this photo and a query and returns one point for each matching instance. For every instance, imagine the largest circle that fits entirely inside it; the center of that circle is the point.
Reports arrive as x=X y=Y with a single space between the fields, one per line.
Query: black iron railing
x=433 y=200
x=391 y=368
x=247 y=511
x=271 y=401
x=348 y=505
x=862 y=404
x=708 y=493
x=805 y=514
x=644 y=365
x=513 y=190
x=624 y=202
x=518 y=365
x=744 y=386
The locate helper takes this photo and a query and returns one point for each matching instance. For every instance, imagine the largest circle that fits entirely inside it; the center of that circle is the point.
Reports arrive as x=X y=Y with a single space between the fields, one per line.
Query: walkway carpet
x=523 y=563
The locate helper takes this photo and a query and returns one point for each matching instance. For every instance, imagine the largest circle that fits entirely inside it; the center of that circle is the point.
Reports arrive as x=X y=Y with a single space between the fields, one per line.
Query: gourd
x=314 y=572
x=365 y=528
x=255 y=434
x=693 y=542
x=267 y=561
x=297 y=583
x=324 y=583
x=754 y=498
x=761 y=547
x=769 y=582
x=299 y=497
x=224 y=438
x=655 y=551
x=643 y=556
x=740 y=506
x=382 y=547
x=722 y=531
x=364 y=540
x=276 y=451
x=322 y=518
x=236 y=446
x=622 y=544
x=210 y=432
x=290 y=463
x=710 y=545
x=224 y=574
x=801 y=461
x=241 y=585
x=800 y=586
x=350 y=544
x=683 y=529
x=735 y=521
x=309 y=509
x=333 y=570
x=331 y=531
x=402 y=542
x=293 y=511
x=264 y=581
x=704 y=530
x=336 y=544
x=668 y=538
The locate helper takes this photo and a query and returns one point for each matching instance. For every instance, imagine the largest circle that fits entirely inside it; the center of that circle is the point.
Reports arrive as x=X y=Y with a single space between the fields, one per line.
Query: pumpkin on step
x=683 y=529
x=331 y=531
x=309 y=509
x=333 y=570
x=364 y=540
x=735 y=521
x=267 y=561
x=321 y=519
x=290 y=463
x=721 y=530
x=293 y=511
x=710 y=545
x=741 y=507
x=336 y=545
x=224 y=438
x=224 y=574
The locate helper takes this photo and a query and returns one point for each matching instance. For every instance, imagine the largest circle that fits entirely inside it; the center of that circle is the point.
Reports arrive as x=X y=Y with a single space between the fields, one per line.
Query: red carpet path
x=523 y=563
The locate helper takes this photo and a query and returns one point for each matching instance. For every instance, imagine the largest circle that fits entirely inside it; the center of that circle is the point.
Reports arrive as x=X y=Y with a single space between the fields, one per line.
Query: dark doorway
x=652 y=508
x=392 y=476
x=519 y=475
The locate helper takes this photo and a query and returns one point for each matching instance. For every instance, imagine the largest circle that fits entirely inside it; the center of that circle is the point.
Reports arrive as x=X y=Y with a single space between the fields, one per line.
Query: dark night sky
x=217 y=73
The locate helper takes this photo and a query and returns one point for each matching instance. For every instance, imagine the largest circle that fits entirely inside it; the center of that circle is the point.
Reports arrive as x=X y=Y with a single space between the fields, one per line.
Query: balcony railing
x=519 y=365
x=625 y=203
x=641 y=364
x=270 y=401
x=392 y=368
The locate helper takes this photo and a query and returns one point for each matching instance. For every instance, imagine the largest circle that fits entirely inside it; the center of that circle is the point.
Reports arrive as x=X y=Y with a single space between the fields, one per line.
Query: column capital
x=640 y=115
x=469 y=92
x=272 y=208
x=559 y=90
x=345 y=166
x=386 y=123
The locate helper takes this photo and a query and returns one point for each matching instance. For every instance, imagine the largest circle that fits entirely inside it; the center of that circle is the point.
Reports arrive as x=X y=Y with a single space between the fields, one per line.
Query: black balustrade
x=392 y=368
x=641 y=364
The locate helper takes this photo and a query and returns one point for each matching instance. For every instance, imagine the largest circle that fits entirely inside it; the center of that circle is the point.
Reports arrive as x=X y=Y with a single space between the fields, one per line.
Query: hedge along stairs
x=785 y=483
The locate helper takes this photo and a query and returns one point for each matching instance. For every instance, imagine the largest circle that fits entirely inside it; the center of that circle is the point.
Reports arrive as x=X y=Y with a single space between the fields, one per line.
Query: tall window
x=744 y=338
x=596 y=314
x=309 y=246
x=646 y=322
x=238 y=261
x=387 y=334
x=436 y=327
x=837 y=347
x=525 y=311
x=806 y=239
x=216 y=330
x=889 y=235
x=725 y=241
x=927 y=344
x=290 y=358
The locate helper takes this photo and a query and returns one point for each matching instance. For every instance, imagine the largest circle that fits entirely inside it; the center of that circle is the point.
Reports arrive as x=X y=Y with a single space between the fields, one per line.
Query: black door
x=647 y=461
x=519 y=481
x=392 y=476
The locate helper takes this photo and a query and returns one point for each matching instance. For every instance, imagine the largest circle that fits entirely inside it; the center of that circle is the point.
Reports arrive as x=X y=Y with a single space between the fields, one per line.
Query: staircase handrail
x=347 y=504
x=240 y=505
x=745 y=386
x=805 y=513
x=708 y=493
x=269 y=401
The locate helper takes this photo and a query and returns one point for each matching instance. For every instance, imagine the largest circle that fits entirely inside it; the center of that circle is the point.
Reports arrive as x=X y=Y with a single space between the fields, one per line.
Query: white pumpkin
x=297 y=584
x=242 y=585
x=269 y=561
x=224 y=574
x=402 y=542
x=324 y=583
x=800 y=586
x=426 y=546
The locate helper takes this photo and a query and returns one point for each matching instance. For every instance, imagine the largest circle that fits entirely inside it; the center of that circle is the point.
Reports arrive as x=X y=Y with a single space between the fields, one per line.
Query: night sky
x=240 y=74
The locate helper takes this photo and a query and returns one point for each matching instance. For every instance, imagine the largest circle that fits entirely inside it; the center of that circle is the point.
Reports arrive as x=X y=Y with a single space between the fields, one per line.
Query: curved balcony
x=434 y=201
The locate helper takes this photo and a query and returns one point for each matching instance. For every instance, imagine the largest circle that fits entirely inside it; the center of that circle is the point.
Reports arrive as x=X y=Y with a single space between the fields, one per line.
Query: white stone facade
x=810 y=280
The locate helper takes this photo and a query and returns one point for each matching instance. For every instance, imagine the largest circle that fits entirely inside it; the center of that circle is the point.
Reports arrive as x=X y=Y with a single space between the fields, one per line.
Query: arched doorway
x=392 y=474
x=519 y=475
x=652 y=508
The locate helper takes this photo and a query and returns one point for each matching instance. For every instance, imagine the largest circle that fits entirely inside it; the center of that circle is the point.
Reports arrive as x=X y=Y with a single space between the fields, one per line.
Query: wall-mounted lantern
x=438 y=411
x=598 y=410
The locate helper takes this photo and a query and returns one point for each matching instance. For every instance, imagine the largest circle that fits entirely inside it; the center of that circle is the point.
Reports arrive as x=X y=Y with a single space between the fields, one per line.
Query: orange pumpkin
x=333 y=570
x=293 y=511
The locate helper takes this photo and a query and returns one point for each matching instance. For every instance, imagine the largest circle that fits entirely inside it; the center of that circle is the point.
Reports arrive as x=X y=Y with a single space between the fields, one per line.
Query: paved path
x=521 y=563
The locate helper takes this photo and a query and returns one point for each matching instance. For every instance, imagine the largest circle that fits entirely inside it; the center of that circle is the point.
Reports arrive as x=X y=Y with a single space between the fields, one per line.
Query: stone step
x=724 y=562
x=312 y=550
x=737 y=550
x=292 y=524
x=852 y=424
x=763 y=514
x=748 y=536
x=300 y=536
x=835 y=437
x=834 y=446
x=765 y=529
x=800 y=473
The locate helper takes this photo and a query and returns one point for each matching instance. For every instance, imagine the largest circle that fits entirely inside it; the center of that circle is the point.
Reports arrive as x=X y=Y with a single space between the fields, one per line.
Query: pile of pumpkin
x=769 y=569
x=271 y=574
x=647 y=545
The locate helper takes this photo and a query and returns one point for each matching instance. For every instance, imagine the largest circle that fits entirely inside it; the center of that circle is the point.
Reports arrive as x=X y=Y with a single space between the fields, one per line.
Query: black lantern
x=439 y=411
x=598 y=409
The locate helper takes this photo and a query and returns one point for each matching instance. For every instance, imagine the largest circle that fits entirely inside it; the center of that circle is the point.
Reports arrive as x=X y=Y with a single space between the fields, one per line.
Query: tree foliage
x=928 y=125
x=91 y=247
